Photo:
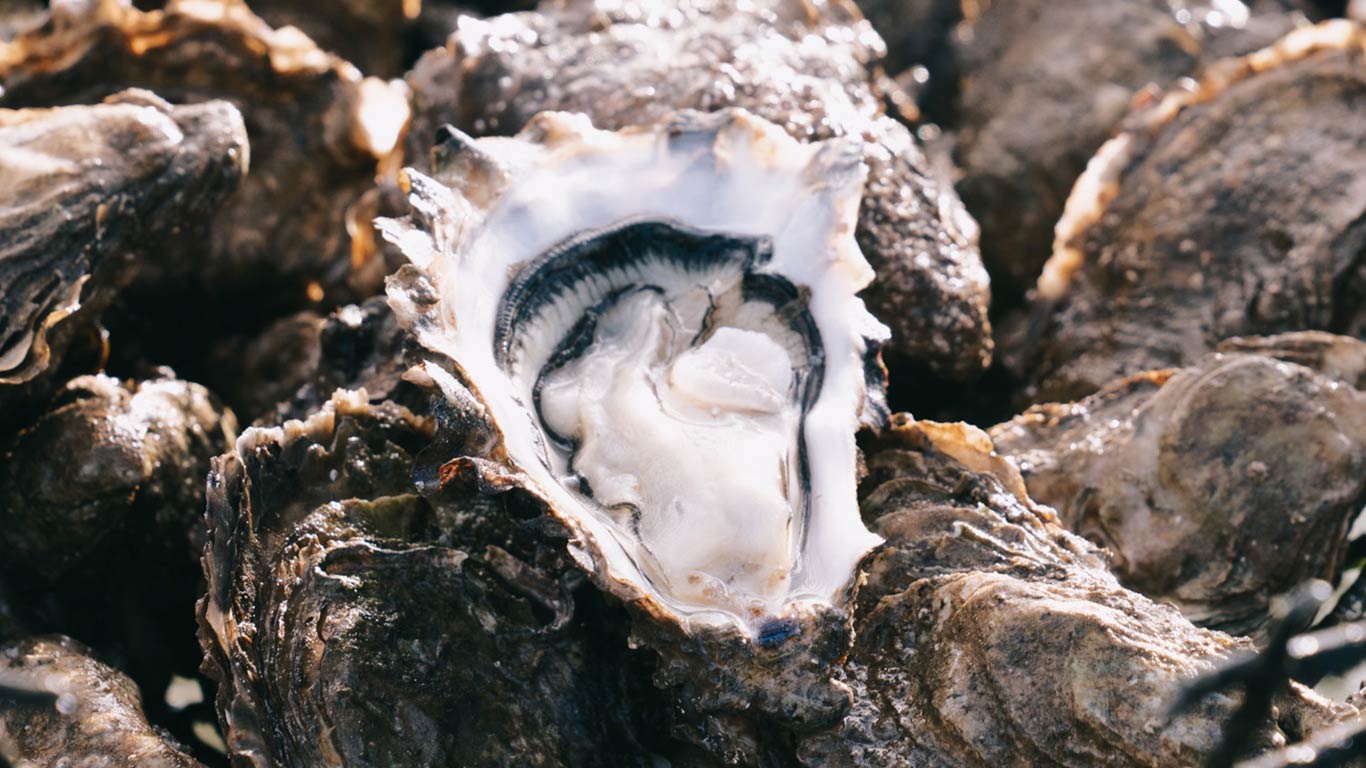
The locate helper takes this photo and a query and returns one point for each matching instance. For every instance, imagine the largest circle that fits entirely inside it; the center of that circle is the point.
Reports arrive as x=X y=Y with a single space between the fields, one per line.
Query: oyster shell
x=87 y=193
x=101 y=503
x=349 y=620
x=980 y=613
x=800 y=65
x=675 y=365
x=82 y=713
x=1217 y=487
x=1232 y=208
x=1046 y=82
x=319 y=131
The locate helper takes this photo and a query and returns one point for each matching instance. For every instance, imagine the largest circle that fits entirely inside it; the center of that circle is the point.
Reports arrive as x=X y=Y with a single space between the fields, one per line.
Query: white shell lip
x=514 y=199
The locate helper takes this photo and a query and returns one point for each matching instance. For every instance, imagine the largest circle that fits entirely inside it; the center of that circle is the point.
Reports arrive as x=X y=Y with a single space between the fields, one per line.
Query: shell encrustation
x=662 y=327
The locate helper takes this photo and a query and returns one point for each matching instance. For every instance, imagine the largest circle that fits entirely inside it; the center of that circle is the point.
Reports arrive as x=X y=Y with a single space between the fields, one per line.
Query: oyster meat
x=1232 y=208
x=1216 y=487
x=89 y=193
x=674 y=365
x=800 y=65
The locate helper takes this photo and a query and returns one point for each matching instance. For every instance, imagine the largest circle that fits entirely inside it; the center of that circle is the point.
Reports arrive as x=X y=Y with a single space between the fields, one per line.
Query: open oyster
x=674 y=363
x=1230 y=208
x=86 y=195
x=1216 y=487
x=801 y=65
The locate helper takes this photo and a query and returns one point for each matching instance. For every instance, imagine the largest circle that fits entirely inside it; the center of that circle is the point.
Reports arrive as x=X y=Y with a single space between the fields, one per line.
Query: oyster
x=88 y=193
x=1045 y=83
x=675 y=365
x=800 y=65
x=320 y=133
x=81 y=711
x=1216 y=487
x=101 y=501
x=1232 y=208
x=351 y=621
x=980 y=613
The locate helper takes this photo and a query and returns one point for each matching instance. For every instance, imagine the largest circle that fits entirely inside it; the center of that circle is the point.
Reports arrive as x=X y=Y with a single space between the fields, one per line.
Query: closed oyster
x=1231 y=208
x=1046 y=82
x=319 y=132
x=86 y=195
x=988 y=635
x=801 y=65
x=661 y=329
x=101 y=503
x=1216 y=487
x=79 y=711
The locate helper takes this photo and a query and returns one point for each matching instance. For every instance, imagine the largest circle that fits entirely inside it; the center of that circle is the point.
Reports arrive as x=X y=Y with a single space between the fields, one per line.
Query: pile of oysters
x=688 y=383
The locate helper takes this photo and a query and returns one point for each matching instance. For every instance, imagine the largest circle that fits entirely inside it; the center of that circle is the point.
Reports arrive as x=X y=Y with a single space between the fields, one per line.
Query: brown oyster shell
x=88 y=193
x=1045 y=83
x=1231 y=208
x=82 y=712
x=319 y=132
x=349 y=619
x=799 y=65
x=988 y=635
x=1216 y=487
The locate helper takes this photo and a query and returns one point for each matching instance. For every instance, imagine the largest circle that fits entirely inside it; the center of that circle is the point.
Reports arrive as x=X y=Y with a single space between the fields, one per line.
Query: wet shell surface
x=662 y=325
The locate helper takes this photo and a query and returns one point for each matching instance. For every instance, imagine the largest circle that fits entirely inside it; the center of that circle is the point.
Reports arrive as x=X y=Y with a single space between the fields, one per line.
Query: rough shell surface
x=1216 y=487
x=799 y=65
x=1230 y=209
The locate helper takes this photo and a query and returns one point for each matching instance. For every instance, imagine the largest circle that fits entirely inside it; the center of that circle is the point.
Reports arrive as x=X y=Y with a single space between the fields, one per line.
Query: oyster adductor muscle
x=1217 y=486
x=88 y=193
x=674 y=364
x=349 y=619
x=802 y=66
x=79 y=711
x=1233 y=208
x=980 y=613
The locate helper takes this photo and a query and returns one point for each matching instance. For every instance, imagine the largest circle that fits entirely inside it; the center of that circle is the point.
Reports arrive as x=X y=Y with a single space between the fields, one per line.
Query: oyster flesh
x=675 y=364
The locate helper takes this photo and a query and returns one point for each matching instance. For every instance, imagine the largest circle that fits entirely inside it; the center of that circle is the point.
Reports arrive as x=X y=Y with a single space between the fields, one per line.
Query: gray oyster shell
x=78 y=711
x=1046 y=82
x=88 y=194
x=1230 y=208
x=800 y=65
x=319 y=134
x=1217 y=486
x=988 y=635
x=351 y=620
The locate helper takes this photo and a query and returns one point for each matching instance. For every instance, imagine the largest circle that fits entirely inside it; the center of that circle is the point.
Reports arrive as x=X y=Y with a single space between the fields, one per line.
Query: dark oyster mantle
x=1229 y=209
x=82 y=712
x=802 y=66
x=1216 y=487
x=88 y=193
